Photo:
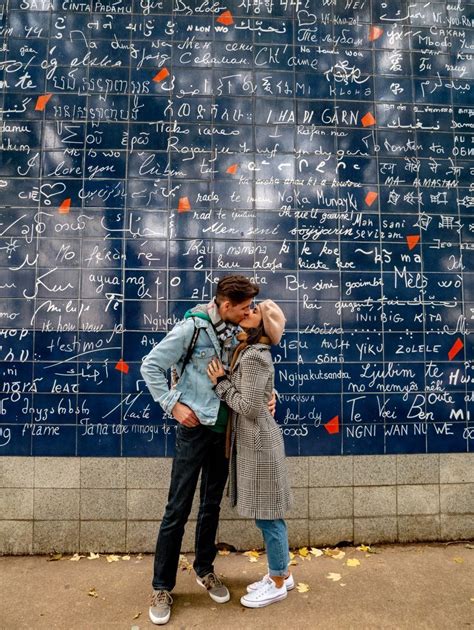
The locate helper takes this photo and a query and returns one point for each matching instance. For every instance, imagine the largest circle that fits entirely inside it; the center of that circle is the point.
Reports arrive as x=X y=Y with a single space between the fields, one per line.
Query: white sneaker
x=289 y=583
x=267 y=594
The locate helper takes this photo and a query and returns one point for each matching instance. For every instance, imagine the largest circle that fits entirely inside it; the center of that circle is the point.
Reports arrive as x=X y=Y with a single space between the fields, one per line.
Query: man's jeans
x=197 y=450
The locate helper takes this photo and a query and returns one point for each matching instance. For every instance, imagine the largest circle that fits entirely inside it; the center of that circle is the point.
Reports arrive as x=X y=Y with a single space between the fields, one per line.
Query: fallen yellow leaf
x=253 y=559
x=224 y=552
x=54 y=557
x=292 y=555
x=112 y=558
x=458 y=560
x=303 y=552
x=93 y=556
x=315 y=552
x=301 y=587
x=92 y=592
x=76 y=557
x=293 y=563
x=335 y=577
x=125 y=557
x=336 y=553
x=472 y=600
x=184 y=563
x=137 y=615
x=363 y=548
x=353 y=562
x=253 y=553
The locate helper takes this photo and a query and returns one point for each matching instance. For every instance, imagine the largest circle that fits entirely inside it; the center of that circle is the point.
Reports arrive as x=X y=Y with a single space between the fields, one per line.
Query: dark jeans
x=197 y=450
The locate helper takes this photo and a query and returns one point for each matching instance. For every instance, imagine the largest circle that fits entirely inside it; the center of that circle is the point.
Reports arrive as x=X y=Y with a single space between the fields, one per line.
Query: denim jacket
x=194 y=387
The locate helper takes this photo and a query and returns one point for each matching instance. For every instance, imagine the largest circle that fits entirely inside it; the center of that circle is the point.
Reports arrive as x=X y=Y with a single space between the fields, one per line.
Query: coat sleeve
x=248 y=400
x=165 y=354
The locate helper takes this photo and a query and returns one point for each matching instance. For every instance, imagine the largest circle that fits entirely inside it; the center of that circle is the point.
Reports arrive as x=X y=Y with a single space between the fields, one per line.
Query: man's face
x=235 y=313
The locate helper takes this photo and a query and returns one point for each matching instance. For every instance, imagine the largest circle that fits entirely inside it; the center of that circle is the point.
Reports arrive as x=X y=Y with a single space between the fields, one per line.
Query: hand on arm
x=215 y=369
x=272 y=403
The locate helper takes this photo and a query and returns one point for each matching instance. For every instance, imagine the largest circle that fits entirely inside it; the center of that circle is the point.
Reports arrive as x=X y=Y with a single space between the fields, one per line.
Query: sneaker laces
x=211 y=581
x=161 y=597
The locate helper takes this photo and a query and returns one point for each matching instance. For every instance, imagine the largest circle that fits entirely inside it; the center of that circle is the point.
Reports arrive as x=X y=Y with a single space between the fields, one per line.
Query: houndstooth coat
x=258 y=479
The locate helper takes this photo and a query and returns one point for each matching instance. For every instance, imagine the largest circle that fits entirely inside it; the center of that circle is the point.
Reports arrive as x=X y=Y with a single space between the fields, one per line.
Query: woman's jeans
x=198 y=450
x=275 y=535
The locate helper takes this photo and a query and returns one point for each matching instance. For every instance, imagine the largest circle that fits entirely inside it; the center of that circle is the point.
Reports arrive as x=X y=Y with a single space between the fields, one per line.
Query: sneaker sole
x=262 y=604
x=216 y=598
x=288 y=588
x=159 y=621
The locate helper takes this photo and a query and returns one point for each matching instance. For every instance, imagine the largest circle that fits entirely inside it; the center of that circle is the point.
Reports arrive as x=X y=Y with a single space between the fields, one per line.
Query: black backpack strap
x=191 y=348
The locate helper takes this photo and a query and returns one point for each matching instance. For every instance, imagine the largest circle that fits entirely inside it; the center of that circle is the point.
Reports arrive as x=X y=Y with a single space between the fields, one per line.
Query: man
x=200 y=435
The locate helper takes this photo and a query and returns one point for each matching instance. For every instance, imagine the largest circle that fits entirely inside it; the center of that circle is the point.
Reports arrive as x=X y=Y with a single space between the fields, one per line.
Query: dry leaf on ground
x=184 y=563
x=54 y=557
x=92 y=592
x=93 y=556
x=314 y=551
x=353 y=562
x=335 y=577
x=224 y=552
x=252 y=555
x=458 y=560
x=112 y=558
x=137 y=615
x=301 y=587
x=365 y=548
x=125 y=557
x=303 y=552
x=336 y=553
x=76 y=557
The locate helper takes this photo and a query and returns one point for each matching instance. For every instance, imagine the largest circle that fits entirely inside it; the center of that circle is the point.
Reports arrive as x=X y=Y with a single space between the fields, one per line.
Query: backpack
x=174 y=373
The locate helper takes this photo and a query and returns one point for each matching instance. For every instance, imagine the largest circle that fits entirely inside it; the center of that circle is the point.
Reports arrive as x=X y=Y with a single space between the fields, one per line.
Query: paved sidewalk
x=400 y=587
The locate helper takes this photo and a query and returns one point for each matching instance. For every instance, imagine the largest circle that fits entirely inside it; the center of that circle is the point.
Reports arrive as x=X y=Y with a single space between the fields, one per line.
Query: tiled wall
x=96 y=504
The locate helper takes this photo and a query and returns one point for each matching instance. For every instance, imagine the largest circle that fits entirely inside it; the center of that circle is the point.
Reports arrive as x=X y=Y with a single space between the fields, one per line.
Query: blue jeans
x=198 y=450
x=275 y=535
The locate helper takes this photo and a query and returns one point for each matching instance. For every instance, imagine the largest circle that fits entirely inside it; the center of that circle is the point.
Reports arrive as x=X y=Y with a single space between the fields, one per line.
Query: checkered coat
x=258 y=480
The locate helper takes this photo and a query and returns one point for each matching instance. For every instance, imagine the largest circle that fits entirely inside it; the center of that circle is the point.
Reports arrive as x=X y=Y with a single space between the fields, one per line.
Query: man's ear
x=224 y=307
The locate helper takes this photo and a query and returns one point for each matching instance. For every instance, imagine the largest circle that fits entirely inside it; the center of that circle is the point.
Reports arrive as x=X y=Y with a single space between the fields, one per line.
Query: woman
x=258 y=478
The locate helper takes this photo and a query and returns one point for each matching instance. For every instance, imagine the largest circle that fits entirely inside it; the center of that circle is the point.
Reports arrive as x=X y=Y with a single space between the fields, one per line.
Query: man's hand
x=184 y=415
x=272 y=403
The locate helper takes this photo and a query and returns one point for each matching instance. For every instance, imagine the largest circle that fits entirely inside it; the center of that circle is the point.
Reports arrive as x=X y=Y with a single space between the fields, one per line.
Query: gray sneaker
x=160 y=607
x=217 y=590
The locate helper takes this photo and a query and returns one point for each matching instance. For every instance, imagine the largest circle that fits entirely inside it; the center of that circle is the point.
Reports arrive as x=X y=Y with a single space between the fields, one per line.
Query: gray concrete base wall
x=115 y=505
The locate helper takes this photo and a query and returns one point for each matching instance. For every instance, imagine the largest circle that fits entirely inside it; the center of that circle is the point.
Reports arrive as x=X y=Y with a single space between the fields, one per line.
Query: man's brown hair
x=236 y=289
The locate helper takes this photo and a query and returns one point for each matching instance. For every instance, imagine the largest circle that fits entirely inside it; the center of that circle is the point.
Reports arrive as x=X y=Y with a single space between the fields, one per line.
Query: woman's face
x=253 y=319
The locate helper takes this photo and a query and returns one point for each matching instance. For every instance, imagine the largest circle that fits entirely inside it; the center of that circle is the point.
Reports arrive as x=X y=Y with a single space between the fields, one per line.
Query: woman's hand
x=214 y=370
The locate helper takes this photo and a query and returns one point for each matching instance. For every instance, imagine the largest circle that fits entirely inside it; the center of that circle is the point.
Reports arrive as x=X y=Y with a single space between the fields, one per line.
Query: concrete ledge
x=146 y=505
x=375 y=501
x=331 y=503
x=242 y=534
x=375 y=470
x=56 y=536
x=16 y=503
x=456 y=468
x=103 y=472
x=56 y=504
x=148 y=473
x=418 y=499
x=419 y=469
x=17 y=472
x=16 y=537
x=330 y=531
x=102 y=505
x=375 y=530
x=57 y=472
x=327 y=472
x=414 y=528
x=102 y=536
x=457 y=498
